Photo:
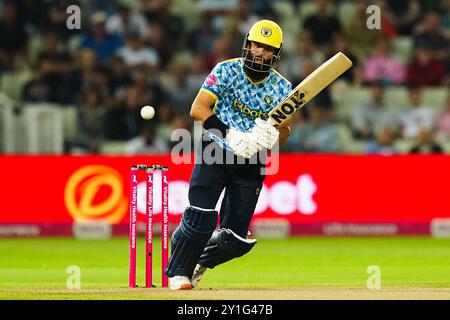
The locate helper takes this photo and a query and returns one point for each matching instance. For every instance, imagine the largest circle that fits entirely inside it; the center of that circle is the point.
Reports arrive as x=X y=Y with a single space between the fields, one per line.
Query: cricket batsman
x=233 y=105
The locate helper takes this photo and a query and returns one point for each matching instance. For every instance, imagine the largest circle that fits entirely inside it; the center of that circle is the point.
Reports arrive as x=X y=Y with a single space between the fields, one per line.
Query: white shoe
x=180 y=283
x=197 y=275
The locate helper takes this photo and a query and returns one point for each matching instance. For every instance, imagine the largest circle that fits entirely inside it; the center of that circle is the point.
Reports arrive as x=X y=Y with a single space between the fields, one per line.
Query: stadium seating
x=187 y=8
x=402 y=48
x=396 y=97
x=346 y=10
x=113 y=147
x=12 y=83
x=404 y=145
x=43 y=129
x=69 y=114
x=350 y=98
x=345 y=136
x=289 y=22
x=7 y=122
x=435 y=98
x=305 y=9
x=35 y=45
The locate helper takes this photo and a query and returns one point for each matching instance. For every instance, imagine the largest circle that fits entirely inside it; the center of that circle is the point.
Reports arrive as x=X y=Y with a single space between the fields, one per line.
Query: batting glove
x=265 y=134
x=241 y=143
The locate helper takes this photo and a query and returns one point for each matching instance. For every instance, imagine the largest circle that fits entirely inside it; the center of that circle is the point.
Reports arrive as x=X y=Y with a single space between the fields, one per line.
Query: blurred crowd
x=128 y=54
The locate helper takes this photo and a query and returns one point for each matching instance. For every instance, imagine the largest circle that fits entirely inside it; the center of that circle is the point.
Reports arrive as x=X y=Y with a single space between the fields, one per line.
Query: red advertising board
x=308 y=189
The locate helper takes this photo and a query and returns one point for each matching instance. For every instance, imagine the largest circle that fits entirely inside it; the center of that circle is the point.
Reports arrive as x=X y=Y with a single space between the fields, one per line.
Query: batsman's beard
x=257 y=70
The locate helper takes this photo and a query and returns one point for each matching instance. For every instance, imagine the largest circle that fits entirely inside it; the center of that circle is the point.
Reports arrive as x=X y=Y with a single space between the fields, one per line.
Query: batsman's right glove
x=243 y=144
x=265 y=134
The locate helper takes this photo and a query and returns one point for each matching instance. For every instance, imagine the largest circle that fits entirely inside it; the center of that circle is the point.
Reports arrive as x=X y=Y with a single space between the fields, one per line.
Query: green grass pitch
x=36 y=268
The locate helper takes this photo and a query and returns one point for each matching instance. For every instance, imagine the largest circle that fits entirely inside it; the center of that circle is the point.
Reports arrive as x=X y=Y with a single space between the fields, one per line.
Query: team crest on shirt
x=266 y=32
x=268 y=99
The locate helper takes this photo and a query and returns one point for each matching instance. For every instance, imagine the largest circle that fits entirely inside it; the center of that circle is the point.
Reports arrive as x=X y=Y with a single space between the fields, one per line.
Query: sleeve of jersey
x=216 y=82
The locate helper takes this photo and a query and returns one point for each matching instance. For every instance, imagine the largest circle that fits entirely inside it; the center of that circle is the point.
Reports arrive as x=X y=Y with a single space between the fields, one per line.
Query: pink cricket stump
x=149 y=231
x=165 y=224
x=149 y=223
x=133 y=208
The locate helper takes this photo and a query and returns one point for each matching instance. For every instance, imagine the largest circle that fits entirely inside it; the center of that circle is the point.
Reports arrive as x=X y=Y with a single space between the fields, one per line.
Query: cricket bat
x=320 y=78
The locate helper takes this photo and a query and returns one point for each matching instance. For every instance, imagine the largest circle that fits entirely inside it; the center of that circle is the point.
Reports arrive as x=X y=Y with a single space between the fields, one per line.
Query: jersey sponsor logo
x=247 y=111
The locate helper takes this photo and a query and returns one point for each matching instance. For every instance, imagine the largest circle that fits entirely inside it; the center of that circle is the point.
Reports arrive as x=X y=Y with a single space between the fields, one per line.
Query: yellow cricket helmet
x=267 y=32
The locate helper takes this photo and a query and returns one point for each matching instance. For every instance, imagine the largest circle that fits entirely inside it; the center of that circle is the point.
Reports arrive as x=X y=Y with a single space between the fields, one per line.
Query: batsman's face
x=261 y=51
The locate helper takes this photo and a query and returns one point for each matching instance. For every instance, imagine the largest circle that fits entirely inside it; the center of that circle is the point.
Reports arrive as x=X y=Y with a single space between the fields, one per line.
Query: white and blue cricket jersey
x=239 y=101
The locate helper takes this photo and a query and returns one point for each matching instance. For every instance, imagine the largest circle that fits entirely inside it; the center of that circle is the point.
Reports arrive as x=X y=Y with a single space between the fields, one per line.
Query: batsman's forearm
x=200 y=109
